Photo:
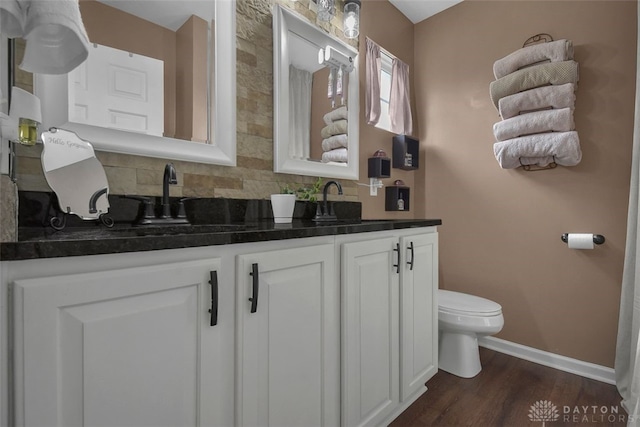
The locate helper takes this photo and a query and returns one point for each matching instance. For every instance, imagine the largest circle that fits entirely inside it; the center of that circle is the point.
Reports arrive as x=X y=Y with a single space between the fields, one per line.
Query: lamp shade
x=351 y=19
x=24 y=105
x=326 y=10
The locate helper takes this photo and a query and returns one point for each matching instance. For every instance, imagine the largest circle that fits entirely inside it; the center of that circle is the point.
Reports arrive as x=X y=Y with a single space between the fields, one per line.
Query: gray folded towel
x=556 y=51
x=338 y=155
x=340 y=113
x=556 y=96
x=555 y=73
x=335 y=128
x=535 y=122
x=335 y=141
x=540 y=149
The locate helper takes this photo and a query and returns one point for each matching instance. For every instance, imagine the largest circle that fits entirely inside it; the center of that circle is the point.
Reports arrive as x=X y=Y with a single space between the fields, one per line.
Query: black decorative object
x=406 y=152
x=379 y=165
x=397 y=198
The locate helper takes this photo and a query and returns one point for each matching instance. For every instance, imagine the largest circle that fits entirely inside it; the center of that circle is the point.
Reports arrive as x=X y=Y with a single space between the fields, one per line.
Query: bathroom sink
x=169 y=230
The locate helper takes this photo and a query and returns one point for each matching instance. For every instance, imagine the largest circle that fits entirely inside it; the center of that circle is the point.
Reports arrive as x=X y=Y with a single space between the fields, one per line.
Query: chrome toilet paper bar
x=598 y=239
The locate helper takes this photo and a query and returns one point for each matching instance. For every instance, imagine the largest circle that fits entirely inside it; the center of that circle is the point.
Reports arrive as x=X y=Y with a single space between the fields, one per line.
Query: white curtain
x=299 y=113
x=372 y=95
x=627 y=364
x=400 y=100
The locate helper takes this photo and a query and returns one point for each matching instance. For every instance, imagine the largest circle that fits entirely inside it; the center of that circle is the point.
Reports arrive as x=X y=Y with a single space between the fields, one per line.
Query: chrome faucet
x=327 y=213
x=169 y=178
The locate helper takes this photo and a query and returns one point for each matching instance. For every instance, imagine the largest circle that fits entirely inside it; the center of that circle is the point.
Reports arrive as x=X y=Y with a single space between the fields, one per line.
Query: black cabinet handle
x=214 y=297
x=410 y=263
x=254 y=298
x=397 y=266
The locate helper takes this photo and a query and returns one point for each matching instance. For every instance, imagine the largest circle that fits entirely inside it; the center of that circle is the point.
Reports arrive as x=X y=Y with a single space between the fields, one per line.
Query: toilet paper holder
x=598 y=239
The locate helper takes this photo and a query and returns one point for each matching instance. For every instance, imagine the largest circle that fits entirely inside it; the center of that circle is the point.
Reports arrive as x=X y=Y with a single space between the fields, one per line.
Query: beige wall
x=501 y=229
x=191 y=80
x=385 y=25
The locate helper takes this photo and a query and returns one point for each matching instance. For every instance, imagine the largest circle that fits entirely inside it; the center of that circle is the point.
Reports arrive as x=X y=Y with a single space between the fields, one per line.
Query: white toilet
x=462 y=318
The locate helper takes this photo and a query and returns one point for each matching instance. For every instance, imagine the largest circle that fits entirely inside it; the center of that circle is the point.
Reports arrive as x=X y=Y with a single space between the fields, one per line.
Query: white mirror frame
x=53 y=89
x=285 y=21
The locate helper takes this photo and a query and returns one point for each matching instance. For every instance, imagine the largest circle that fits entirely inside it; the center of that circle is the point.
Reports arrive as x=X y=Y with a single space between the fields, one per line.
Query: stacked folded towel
x=555 y=51
x=534 y=93
x=335 y=139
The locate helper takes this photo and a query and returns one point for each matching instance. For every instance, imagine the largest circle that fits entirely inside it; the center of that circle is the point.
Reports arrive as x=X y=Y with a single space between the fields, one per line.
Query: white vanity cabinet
x=320 y=331
x=288 y=310
x=129 y=346
x=389 y=330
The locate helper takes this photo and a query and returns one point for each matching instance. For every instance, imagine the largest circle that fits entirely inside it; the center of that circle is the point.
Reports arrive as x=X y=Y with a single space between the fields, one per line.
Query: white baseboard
x=552 y=360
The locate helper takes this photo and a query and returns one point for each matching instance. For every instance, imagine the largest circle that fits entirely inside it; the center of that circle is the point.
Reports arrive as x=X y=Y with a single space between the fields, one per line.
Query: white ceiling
x=418 y=10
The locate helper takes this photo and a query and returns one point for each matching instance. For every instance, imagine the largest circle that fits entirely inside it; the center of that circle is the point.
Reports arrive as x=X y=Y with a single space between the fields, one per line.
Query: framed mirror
x=162 y=74
x=300 y=141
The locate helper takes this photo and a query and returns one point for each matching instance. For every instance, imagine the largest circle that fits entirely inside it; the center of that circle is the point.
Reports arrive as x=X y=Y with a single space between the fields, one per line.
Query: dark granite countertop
x=215 y=221
x=42 y=242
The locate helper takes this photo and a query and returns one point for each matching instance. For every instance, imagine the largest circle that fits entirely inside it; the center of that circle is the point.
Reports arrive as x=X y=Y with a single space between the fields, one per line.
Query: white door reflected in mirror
x=119 y=90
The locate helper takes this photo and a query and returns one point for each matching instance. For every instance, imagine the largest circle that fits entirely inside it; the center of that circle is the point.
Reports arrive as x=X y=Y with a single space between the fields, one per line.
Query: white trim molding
x=552 y=360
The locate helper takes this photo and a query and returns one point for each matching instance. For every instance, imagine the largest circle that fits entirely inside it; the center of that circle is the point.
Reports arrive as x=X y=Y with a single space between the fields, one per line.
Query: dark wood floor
x=505 y=391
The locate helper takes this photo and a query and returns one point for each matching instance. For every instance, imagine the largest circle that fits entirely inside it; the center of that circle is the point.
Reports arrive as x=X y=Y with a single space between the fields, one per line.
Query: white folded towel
x=335 y=115
x=335 y=141
x=57 y=41
x=556 y=51
x=335 y=128
x=560 y=96
x=540 y=149
x=338 y=155
x=535 y=122
x=11 y=18
x=554 y=73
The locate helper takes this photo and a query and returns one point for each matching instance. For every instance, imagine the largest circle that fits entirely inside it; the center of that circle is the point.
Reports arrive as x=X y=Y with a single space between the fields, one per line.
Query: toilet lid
x=457 y=302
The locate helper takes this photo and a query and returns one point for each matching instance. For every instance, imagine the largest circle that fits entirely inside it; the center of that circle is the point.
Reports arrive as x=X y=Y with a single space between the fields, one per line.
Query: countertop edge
x=259 y=232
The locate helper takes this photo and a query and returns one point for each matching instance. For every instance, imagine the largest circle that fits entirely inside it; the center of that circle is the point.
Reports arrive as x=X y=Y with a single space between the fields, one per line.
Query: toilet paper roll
x=580 y=241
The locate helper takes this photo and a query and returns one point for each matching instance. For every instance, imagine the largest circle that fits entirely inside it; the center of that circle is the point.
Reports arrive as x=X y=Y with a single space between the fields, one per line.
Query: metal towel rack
x=538 y=38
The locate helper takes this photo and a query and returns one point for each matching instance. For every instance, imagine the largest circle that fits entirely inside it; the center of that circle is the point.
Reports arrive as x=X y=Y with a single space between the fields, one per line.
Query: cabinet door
x=418 y=312
x=124 y=347
x=289 y=372
x=370 y=331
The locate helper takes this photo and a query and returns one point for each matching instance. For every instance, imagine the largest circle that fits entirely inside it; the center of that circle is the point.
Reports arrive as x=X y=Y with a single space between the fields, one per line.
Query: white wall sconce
x=20 y=126
x=25 y=114
x=351 y=22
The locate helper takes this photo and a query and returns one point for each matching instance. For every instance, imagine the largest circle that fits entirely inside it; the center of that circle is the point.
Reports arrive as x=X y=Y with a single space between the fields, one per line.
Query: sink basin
x=167 y=230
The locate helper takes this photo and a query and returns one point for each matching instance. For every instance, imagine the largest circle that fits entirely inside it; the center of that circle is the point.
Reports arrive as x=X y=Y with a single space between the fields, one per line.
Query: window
x=387 y=83
x=385 y=91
